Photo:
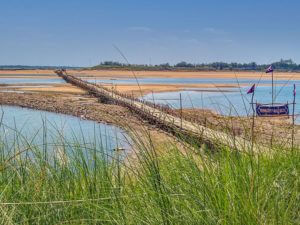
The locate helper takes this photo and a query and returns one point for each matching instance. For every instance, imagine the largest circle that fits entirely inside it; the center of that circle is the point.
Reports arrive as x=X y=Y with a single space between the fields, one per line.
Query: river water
x=46 y=131
x=17 y=80
x=228 y=101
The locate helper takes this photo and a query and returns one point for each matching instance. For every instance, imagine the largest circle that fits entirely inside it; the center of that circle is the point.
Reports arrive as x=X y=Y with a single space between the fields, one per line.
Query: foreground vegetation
x=77 y=184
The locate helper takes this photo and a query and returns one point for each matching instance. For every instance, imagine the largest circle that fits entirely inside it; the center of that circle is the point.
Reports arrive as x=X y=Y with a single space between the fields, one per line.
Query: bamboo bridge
x=160 y=115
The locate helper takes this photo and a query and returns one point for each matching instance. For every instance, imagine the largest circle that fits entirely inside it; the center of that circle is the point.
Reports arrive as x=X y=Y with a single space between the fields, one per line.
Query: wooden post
x=153 y=98
x=180 y=110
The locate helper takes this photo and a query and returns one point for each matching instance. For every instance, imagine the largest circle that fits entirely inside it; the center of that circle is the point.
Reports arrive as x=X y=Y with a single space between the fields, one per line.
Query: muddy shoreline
x=82 y=106
x=87 y=107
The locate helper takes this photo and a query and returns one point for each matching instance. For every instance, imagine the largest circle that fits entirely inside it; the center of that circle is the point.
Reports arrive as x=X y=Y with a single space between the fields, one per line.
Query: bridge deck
x=159 y=116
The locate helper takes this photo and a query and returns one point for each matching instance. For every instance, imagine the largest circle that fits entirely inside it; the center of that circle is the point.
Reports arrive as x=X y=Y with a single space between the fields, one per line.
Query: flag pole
x=293 y=130
x=253 y=120
x=252 y=91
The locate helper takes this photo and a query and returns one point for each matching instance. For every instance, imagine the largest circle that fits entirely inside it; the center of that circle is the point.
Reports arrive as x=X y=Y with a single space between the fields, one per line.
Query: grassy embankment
x=80 y=184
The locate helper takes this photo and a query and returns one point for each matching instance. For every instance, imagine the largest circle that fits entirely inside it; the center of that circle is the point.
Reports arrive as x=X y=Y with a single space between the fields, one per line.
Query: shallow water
x=25 y=75
x=31 y=81
x=51 y=128
x=236 y=102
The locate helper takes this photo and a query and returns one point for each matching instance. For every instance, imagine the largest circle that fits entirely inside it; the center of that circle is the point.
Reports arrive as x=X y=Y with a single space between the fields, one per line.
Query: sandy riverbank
x=143 y=89
x=114 y=74
x=59 y=88
x=183 y=74
x=136 y=90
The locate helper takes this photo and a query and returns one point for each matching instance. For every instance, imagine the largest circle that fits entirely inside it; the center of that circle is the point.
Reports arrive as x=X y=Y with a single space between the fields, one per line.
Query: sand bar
x=114 y=74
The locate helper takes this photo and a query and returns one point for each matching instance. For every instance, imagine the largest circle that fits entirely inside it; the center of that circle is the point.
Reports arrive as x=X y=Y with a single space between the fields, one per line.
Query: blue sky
x=83 y=32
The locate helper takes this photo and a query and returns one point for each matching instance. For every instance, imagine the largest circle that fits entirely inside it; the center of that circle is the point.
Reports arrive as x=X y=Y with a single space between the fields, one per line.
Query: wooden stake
x=180 y=110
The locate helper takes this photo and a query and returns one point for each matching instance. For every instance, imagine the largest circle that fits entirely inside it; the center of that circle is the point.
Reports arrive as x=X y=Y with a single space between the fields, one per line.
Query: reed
x=80 y=183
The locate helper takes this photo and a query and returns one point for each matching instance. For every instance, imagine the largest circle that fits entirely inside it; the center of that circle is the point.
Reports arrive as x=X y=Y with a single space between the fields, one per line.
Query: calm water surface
x=38 y=126
x=236 y=102
x=31 y=81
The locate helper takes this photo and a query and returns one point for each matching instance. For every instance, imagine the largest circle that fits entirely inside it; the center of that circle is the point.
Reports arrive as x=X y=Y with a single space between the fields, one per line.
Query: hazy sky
x=83 y=32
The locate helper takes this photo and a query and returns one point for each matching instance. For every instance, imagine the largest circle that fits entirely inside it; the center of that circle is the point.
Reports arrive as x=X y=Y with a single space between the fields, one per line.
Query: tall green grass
x=160 y=185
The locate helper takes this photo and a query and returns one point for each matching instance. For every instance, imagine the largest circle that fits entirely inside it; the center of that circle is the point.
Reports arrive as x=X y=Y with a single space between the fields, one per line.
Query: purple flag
x=294 y=92
x=270 y=69
x=251 y=90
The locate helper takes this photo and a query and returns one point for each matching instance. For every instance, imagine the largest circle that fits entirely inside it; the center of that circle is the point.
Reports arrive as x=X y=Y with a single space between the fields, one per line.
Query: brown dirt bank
x=276 y=130
x=87 y=107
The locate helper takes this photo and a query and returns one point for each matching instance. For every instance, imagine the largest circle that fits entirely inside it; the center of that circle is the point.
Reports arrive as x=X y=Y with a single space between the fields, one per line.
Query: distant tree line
x=282 y=65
